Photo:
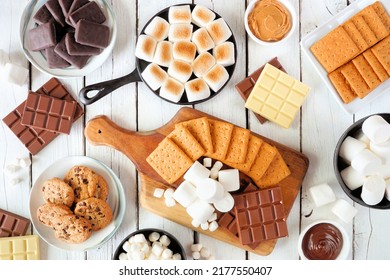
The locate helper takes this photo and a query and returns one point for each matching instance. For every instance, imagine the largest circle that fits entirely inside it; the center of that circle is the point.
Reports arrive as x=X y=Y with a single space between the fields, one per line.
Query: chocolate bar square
x=12 y=224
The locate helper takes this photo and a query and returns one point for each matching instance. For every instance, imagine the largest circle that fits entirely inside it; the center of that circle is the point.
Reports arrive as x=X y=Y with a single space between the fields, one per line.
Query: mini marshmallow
x=179 y=14
x=24 y=162
x=200 y=210
x=158 y=28
x=196 y=172
x=131 y=240
x=153 y=257
x=217 y=165
x=126 y=246
x=123 y=257
x=230 y=179
x=204 y=253
x=168 y=193
x=185 y=51
x=154 y=236
x=165 y=241
x=382 y=150
x=344 y=211
x=225 y=204
x=135 y=247
x=139 y=238
x=215 y=169
x=157 y=249
x=213 y=226
x=322 y=194
x=214 y=174
x=14 y=181
x=366 y=162
x=145 y=248
x=11 y=168
x=170 y=202
x=224 y=54
x=154 y=76
x=213 y=217
x=137 y=255
x=219 y=31
x=377 y=129
x=146 y=46
x=196 y=247
x=196 y=255
x=180 y=32
x=180 y=70
x=202 y=64
x=373 y=190
x=185 y=194
x=172 y=90
x=167 y=254
x=352 y=179
x=204 y=226
x=15 y=74
x=158 y=193
x=201 y=15
x=176 y=257
x=210 y=190
x=202 y=40
x=350 y=148
x=164 y=54
x=196 y=90
x=387 y=190
x=195 y=223
x=217 y=77
x=207 y=162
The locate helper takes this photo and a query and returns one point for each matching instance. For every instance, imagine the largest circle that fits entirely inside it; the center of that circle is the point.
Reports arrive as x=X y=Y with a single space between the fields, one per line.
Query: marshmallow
x=377 y=129
x=344 y=211
x=213 y=226
x=185 y=194
x=158 y=28
x=154 y=236
x=382 y=150
x=195 y=223
x=126 y=246
x=214 y=174
x=366 y=162
x=352 y=179
x=170 y=202
x=154 y=76
x=200 y=210
x=217 y=165
x=165 y=241
x=15 y=74
x=24 y=162
x=11 y=168
x=207 y=162
x=202 y=64
x=163 y=55
x=213 y=217
x=196 y=172
x=145 y=248
x=168 y=193
x=230 y=179
x=14 y=181
x=157 y=249
x=224 y=54
x=322 y=194
x=153 y=257
x=166 y=254
x=219 y=31
x=184 y=51
x=204 y=252
x=139 y=238
x=196 y=247
x=387 y=190
x=123 y=257
x=350 y=148
x=158 y=193
x=201 y=15
x=217 y=77
x=215 y=170
x=196 y=255
x=362 y=138
x=196 y=90
x=176 y=257
x=146 y=46
x=210 y=190
x=202 y=40
x=204 y=226
x=384 y=171
x=225 y=204
x=179 y=14
x=180 y=32
x=180 y=70
x=172 y=90
x=373 y=190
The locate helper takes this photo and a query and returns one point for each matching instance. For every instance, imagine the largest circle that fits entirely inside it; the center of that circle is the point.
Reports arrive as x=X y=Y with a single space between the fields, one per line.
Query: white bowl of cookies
x=77 y=204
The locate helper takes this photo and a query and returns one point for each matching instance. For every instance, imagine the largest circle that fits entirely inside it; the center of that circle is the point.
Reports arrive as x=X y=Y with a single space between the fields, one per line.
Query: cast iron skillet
x=109 y=86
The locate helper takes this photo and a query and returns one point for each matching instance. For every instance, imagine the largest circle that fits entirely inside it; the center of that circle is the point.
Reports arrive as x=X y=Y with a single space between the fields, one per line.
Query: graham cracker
x=366 y=71
x=253 y=149
x=382 y=53
x=183 y=138
x=263 y=160
x=238 y=145
x=335 y=49
x=355 y=35
x=341 y=85
x=376 y=65
x=355 y=80
x=364 y=29
x=276 y=172
x=169 y=161
x=221 y=134
x=375 y=23
x=200 y=129
x=380 y=10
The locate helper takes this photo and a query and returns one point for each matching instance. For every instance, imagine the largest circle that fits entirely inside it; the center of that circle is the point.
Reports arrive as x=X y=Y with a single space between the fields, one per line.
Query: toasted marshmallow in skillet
x=184 y=50
x=180 y=70
x=172 y=90
x=146 y=46
x=219 y=31
x=180 y=32
x=196 y=90
x=202 y=40
x=179 y=14
x=201 y=15
x=154 y=76
x=216 y=77
x=224 y=54
x=202 y=64
x=163 y=55
x=158 y=28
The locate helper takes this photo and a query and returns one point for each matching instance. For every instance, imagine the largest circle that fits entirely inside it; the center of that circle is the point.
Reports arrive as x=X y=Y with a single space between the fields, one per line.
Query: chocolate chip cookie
x=57 y=191
x=101 y=188
x=95 y=210
x=49 y=212
x=72 y=229
x=83 y=181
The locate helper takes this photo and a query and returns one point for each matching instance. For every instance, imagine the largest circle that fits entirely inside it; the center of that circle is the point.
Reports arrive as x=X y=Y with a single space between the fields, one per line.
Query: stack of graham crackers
x=219 y=140
x=356 y=54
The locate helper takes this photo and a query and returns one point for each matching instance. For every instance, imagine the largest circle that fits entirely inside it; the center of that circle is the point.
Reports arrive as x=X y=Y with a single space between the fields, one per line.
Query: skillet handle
x=106 y=87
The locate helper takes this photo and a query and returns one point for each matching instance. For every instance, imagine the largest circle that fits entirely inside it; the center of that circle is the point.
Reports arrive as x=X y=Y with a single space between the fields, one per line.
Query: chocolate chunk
x=75 y=48
x=56 y=11
x=92 y=34
x=65 y=6
x=43 y=15
x=42 y=37
x=77 y=61
x=54 y=60
x=90 y=12
x=12 y=224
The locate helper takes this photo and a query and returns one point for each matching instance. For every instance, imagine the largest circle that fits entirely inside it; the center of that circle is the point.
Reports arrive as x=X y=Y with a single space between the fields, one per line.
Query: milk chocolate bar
x=90 y=12
x=12 y=224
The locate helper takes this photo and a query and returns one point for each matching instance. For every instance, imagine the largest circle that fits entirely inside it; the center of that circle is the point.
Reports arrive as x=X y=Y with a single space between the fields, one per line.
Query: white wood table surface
x=315 y=131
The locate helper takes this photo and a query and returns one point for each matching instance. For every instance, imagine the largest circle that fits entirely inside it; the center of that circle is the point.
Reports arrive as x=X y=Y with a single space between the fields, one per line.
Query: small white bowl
x=294 y=22
x=343 y=255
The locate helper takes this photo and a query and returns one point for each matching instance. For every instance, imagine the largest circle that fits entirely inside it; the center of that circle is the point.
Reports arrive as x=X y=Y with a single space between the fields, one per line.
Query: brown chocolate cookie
x=49 y=212
x=83 y=181
x=95 y=210
x=72 y=229
x=58 y=192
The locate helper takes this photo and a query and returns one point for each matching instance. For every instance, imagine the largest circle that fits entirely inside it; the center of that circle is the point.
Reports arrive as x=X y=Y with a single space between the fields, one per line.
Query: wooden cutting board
x=138 y=145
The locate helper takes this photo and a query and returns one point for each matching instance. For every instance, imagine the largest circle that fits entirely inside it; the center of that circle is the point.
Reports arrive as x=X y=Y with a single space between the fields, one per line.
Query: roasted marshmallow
x=180 y=32
x=146 y=47
x=352 y=179
x=202 y=64
x=366 y=162
x=180 y=70
x=201 y=15
x=350 y=148
x=196 y=90
x=377 y=129
x=219 y=31
x=322 y=194
x=172 y=90
x=373 y=190
x=224 y=54
x=154 y=76
x=158 y=28
x=217 y=77
x=179 y=14
x=202 y=40
x=184 y=51
x=164 y=54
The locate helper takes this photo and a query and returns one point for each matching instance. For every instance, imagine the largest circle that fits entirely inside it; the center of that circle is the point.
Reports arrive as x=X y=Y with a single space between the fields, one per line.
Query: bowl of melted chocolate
x=324 y=240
